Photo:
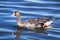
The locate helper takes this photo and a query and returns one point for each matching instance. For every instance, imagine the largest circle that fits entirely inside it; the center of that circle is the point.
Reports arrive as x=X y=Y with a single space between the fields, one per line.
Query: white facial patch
x=13 y=14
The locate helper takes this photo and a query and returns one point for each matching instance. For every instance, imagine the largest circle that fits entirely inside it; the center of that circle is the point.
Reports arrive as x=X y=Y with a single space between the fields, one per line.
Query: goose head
x=16 y=13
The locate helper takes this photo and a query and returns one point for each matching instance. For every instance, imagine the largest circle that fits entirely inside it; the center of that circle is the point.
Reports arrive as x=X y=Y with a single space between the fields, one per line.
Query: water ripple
x=29 y=9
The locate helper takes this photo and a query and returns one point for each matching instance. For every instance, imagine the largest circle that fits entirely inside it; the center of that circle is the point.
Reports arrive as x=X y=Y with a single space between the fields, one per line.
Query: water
x=29 y=9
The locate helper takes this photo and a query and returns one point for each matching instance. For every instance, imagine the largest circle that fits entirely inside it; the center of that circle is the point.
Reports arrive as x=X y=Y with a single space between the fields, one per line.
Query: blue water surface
x=29 y=9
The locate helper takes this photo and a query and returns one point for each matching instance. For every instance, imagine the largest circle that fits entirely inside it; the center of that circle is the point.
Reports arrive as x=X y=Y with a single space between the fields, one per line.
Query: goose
x=33 y=23
x=28 y=23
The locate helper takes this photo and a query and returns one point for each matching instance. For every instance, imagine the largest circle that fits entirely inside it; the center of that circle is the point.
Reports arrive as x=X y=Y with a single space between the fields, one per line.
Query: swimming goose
x=31 y=24
x=27 y=23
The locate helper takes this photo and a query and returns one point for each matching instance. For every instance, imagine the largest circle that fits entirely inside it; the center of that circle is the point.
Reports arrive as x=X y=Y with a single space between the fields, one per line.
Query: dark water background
x=29 y=9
